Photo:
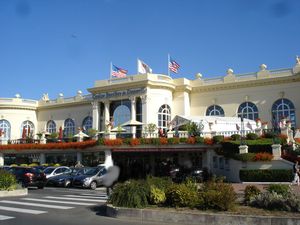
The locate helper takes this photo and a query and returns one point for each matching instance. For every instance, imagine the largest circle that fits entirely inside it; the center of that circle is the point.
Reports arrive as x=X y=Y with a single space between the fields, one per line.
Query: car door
x=100 y=175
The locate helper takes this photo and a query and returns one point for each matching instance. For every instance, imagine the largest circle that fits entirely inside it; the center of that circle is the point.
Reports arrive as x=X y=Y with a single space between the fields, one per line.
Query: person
x=296 y=173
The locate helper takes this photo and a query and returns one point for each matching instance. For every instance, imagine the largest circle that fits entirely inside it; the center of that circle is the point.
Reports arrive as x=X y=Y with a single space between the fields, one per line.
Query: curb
x=18 y=192
x=178 y=217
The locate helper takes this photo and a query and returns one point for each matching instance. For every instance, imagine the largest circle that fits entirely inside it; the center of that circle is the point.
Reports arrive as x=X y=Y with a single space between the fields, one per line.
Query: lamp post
x=242 y=130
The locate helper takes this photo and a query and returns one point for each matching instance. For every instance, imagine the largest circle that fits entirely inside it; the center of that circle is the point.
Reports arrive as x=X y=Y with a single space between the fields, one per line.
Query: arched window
x=87 y=123
x=5 y=129
x=248 y=110
x=27 y=129
x=121 y=115
x=164 y=116
x=51 y=127
x=215 y=110
x=283 y=108
x=69 y=127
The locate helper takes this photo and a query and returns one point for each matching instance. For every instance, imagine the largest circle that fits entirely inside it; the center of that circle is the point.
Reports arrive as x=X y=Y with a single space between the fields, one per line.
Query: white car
x=54 y=171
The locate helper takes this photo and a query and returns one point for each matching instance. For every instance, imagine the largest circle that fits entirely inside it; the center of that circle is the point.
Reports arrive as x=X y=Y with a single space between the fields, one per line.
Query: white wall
x=16 y=117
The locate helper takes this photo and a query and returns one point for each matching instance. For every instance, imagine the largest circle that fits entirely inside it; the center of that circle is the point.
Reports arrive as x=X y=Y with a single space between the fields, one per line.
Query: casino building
x=149 y=98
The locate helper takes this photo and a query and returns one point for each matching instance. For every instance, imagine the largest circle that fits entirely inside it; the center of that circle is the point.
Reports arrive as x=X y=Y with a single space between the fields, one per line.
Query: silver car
x=92 y=178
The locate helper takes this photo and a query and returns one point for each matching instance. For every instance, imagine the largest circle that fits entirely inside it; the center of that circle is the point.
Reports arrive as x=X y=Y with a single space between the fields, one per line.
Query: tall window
x=87 y=123
x=51 y=127
x=69 y=127
x=283 y=108
x=27 y=129
x=164 y=116
x=215 y=110
x=5 y=129
x=248 y=110
x=121 y=115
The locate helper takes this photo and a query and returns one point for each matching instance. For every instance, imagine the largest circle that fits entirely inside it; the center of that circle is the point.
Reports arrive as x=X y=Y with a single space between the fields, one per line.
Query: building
x=150 y=98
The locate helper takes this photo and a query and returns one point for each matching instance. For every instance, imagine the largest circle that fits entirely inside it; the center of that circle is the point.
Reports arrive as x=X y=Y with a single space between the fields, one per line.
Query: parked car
x=91 y=179
x=29 y=176
x=54 y=171
x=66 y=179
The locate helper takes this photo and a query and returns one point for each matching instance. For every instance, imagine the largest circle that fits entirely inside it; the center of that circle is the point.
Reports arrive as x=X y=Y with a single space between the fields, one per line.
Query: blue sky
x=61 y=46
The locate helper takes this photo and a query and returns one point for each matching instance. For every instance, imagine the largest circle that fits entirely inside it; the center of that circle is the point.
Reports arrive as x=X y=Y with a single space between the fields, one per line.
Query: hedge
x=276 y=175
x=230 y=148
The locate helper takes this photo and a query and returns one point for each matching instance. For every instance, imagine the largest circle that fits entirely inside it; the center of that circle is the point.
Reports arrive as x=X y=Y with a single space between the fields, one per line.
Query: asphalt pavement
x=58 y=206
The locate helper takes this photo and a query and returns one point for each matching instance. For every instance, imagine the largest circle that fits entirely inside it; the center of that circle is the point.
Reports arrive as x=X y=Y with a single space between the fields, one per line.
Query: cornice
x=247 y=84
x=31 y=108
x=63 y=104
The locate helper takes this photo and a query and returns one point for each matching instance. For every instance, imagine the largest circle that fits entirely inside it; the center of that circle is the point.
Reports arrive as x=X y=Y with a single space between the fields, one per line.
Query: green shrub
x=157 y=196
x=246 y=157
x=274 y=201
x=281 y=189
x=199 y=140
x=251 y=136
x=23 y=164
x=173 y=141
x=131 y=194
x=179 y=195
x=250 y=192
x=160 y=182
x=101 y=141
x=8 y=181
x=182 y=140
x=235 y=137
x=218 y=139
x=278 y=175
x=270 y=135
x=217 y=195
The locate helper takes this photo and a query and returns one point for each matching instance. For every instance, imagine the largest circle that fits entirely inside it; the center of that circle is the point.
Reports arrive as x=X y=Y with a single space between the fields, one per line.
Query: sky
x=62 y=46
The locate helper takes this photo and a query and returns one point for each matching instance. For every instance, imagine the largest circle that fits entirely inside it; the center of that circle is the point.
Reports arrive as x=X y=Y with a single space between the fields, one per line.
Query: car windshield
x=49 y=170
x=92 y=171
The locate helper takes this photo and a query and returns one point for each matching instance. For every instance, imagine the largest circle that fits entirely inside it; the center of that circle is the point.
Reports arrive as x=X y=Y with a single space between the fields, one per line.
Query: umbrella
x=118 y=129
x=81 y=134
x=131 y=123
x=60 y=133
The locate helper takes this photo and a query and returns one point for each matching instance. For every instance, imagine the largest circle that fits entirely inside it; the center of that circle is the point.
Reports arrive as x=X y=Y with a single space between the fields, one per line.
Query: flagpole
x=110 y=70
x=168 y=64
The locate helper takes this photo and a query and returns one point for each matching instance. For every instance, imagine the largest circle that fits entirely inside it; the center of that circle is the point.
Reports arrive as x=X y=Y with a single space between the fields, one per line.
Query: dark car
x=91 y=179
x=65 y=180
x=29 y=176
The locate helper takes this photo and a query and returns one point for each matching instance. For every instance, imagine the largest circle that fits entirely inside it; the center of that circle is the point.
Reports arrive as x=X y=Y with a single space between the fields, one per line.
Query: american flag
x=118 y=72
x=173 y=66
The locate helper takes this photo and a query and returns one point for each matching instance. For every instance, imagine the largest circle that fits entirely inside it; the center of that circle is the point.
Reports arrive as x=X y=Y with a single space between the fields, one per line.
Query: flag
x=118 y=72
x=143 y=68
x=237 y=126
x=173 y=66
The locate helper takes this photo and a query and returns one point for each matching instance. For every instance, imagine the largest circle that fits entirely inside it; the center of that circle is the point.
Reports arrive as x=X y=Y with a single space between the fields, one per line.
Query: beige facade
x=154 y=91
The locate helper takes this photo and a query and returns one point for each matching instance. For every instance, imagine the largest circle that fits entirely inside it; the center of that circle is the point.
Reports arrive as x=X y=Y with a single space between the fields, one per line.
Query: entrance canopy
x=215 y=123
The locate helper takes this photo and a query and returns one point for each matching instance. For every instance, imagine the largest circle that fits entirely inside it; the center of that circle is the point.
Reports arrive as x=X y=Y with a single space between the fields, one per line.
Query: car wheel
x=93 y=185
x=40 y=186
x=67 y=183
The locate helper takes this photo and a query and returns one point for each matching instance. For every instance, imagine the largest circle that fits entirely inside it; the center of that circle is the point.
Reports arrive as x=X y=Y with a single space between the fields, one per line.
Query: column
x=133 y=115
x=1 y=159
x=79 y=157
x=106 y=114
x=96 y=113
x=42 y=158
x=108 y=158
x=144 y=111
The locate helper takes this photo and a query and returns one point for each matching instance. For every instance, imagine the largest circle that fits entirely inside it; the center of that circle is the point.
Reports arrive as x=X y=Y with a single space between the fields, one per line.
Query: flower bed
x=79 y=145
